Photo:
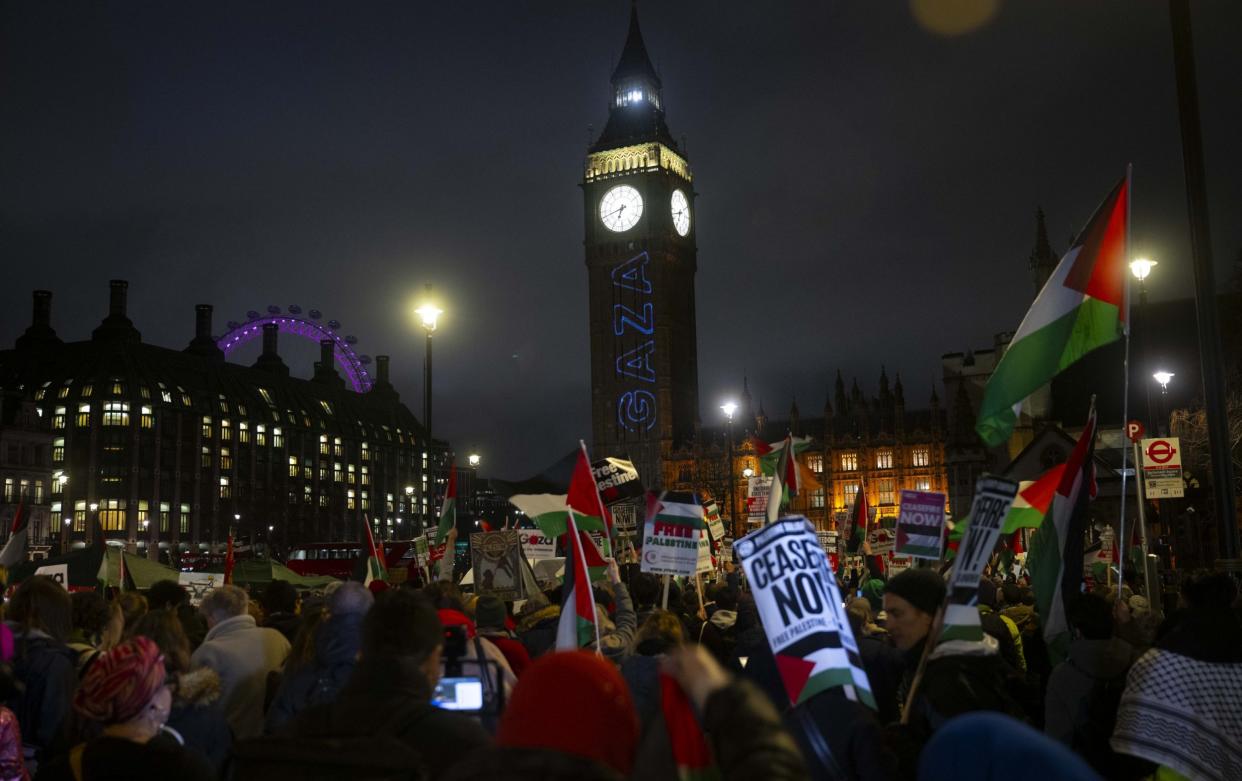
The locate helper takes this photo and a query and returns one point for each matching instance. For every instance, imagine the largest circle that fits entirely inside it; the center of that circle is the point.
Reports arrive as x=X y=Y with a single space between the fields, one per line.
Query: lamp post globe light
x=1164 y=378
x=474 y=460
x=428 y=316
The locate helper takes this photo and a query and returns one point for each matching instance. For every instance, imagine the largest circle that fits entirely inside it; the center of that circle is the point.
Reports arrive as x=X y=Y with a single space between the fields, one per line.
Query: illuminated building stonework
x=640 y=255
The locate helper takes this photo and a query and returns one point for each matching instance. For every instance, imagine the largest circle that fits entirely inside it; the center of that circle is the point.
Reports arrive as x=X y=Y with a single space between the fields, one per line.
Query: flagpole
x=1125 y=398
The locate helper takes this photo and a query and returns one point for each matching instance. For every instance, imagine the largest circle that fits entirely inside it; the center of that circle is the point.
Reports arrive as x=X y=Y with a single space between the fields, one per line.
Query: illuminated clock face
x=681 y=212
x=620 y=208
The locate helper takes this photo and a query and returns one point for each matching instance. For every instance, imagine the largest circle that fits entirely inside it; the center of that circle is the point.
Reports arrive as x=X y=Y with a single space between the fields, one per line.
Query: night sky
x=867 y=182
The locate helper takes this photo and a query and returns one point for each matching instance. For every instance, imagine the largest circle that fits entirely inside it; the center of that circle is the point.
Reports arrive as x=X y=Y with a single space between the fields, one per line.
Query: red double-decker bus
x=339 y=559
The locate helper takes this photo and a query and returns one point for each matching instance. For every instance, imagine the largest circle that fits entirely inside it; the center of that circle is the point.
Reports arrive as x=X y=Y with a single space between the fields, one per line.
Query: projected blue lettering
x=636 y=407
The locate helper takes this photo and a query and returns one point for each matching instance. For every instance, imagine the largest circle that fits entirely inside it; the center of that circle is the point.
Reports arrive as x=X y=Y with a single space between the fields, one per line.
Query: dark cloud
x=864 y=183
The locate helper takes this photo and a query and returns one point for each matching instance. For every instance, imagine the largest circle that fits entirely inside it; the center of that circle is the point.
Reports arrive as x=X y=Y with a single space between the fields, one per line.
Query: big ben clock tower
x=638 y=196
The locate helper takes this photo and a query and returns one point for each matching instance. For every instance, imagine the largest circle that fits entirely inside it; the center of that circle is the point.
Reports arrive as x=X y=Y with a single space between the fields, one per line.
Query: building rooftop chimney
x=40 y=333
x=117 y=325
x=269 y=359
x=325 y=367
x=204 y=343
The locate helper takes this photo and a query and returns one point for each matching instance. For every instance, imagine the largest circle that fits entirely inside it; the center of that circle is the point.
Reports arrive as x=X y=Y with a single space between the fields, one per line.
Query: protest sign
x=57 y=572
x=828 y=541
x=897 y=564
x=704 y=563
x=625 y=518
x=199 y=583
x=536 y=545
x=434 y=552
x=497 y=564
x=617 y=480
x=882 y=536
x=757 y=490
x=800 y=607
x=715 y=526
x=993 y=497
x=671 y=535
x=920 y=525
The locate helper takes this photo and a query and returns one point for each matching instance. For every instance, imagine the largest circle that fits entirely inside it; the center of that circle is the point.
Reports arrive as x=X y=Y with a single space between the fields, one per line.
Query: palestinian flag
x=15 y=548
x=1028 y=510
x=780 y=460
x=1082 y=307
x=544 y=498
x=676 y=508
x=229 y=561
x=583 y=496
x=859 y=519
x=376 y=566
x=578 y=626
x=686 y=741
x=1056 y=553
x=448 y=510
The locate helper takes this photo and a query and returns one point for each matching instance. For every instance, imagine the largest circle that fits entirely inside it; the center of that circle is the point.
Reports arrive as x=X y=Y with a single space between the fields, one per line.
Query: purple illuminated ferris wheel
x=308 y=326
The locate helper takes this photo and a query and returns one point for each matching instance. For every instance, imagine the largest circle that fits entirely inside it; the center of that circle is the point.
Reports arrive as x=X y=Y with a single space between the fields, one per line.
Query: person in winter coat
x=281 y=604
x=12 y=765
x=40 y=617
x=489 y=621
x=1095 y=657
x=197 y=719
x=126 y=694
x=1000 y=626
x=389 y=692
x=718 y=633
x=243 y=653
x=616 y=635
x=659 y=634
x=536 y=626
x=171 y=595
x=337 y=641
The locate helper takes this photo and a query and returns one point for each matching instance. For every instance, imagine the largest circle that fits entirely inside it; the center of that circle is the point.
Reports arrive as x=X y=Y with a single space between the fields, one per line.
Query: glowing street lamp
x=1163 y=378
x=748 y=473
x=728 y=408
x=1141 y=268
x=474 y=460
x=428 y=314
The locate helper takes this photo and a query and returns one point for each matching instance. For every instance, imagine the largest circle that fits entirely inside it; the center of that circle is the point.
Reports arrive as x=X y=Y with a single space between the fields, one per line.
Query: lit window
x=337 y=473
x=336 y=446
x=226 y=458
x=63 y=393
x=148 y=417
x=226 y=490
x=185 y=519
x=226 y=429
x=58 y=449
x=185 y=399
x=817 y=498
x=267 y=397
x=922 y=484
x=323 y=444
x=887 y=495
x=849 y=463
x=921 y=456
x=277 y=439
x=87 y=390
x=884 y=459
x=815 y=462
x=206 y=459
x=366 y=501
x=58 y=418
x=366 y=477
x=293 y=466
x=260 y=434
x=350 y=504
x=850 y=493
x=166 y=396
x=306 y=493
x=165 y=515
x=366 y=452
x=243 y=432
x=326 y=406
x=307 y=471
x=323 y=500
x=112 y=514
x=9 y=495
x=84 y=416
x=144 y=514
x=224 y=405
x=144 y=391
x=79 y=515
x=39 y=394
x=206 y=427
x=116 y=413
x=352 y=474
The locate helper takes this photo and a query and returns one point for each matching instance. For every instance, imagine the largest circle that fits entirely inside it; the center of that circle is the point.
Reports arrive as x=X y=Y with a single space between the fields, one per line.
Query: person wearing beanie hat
x=489 y=618
x=125 y=695
x=389 y=693
x=911 y=600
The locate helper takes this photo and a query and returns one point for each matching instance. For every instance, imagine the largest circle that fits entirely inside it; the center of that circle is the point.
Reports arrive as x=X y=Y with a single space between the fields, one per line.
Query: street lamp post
x=409 y=504
x=1163 y=377
x=428 y=314
x=728 y=408
x=1141 y=269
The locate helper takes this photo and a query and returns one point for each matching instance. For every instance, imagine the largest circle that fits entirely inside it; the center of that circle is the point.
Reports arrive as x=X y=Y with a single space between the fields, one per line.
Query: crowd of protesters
x=341 y=684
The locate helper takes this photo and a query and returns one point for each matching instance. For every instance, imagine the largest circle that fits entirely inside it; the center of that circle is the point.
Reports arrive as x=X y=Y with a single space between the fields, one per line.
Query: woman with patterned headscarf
x=125 y=693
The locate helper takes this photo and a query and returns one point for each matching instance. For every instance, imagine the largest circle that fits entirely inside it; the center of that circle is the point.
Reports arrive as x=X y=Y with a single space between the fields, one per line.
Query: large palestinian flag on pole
x=859 y=519
x=584 y=499
x=578 y=626
x=1056 y=552
x=1081 y=308
x=448 y=510
x=1028 y=509
x=544 y=498
x=376 y=566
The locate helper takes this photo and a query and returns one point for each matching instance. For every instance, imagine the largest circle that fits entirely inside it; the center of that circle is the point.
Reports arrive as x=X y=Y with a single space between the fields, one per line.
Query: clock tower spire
x=638 y=200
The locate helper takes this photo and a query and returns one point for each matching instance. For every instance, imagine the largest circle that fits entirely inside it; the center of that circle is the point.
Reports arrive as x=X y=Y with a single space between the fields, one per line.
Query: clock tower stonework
x=639 y=220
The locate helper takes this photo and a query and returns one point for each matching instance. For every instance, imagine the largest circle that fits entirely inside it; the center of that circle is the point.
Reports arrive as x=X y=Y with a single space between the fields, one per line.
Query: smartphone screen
x=462 y=694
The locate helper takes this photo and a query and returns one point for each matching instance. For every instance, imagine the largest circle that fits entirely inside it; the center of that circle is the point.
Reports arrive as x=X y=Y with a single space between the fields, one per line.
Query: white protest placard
x=536 y=545
x=920 y=525
x=715 y=526
x=199 y=583
x=705 y=553
x=671 y=535
x=57 y=572
x=993 y=497
x=497 y=564
x=800 y=607
x=757 y=490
